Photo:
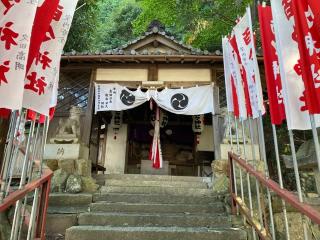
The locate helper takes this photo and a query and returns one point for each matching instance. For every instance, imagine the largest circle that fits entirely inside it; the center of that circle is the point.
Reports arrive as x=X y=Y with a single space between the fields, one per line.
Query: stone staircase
x=140 y=207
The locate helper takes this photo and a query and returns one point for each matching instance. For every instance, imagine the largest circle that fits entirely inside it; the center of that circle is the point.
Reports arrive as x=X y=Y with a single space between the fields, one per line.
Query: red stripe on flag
x=41 y=25
x=5 y=113
x=234 y=45
x=271 y=64
x=307 y=25
x=31 y=115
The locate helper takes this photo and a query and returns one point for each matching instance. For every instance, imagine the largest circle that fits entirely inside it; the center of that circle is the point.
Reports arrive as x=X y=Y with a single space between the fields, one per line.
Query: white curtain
x=186 y=101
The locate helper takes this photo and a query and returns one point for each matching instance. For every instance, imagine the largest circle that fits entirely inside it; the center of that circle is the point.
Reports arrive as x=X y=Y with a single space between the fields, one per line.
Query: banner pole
x=234 y=165
x=284 y=209
x=315 y=138
x=31 y=229
x=14 y=121
x=17 y=213
x=33 y=148
x=264 y=157
x=298 y=182
x=248 y=178
x=238 y=150
x=255 y=167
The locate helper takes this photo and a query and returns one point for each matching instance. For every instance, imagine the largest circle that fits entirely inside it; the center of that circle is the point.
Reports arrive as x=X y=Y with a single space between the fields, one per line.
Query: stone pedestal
x=225 y=148
x=62 y=151
x=146 y=168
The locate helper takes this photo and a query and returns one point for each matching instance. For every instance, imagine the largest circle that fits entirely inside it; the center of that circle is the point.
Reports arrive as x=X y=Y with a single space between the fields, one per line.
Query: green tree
x=83 y=33
x=199 y=23
x=117 y=17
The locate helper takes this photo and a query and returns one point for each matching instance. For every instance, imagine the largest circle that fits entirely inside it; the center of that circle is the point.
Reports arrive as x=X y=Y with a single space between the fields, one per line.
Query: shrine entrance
x=154 y=61
x=185 y=151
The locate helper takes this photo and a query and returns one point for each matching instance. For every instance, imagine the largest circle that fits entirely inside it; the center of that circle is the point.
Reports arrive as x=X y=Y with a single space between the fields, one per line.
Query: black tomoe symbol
x=127 y=98
x=179 y=101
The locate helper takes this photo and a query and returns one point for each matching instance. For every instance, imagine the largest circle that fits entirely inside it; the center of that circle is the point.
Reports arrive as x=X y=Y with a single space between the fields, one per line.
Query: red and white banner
x=228 y=77
x=233 y=79
x=16 y=20
x=271 y=64
x=41 y=79
x=245 y=40
x=293 y=89
x=307 y=26
x=239 y=74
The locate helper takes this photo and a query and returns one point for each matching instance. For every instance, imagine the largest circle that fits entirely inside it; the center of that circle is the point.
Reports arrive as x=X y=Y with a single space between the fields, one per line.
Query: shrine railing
x=238 y=205
x=43 y=186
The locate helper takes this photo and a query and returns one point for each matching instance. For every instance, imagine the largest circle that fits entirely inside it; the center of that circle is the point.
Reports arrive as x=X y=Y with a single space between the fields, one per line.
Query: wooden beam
x=89 y=111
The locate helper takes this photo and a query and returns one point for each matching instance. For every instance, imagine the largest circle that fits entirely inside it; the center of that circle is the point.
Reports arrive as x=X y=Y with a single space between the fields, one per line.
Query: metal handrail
x=289 y=197
x=42 y=183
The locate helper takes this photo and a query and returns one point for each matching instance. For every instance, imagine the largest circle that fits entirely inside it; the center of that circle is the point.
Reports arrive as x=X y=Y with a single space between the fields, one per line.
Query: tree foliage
x=117 y=18
x=198 y=22
x=83 y=33
x=107 y=24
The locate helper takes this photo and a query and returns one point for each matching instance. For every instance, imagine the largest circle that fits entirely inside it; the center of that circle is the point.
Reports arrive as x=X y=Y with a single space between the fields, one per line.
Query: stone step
x=158 y=190
x=154 y=220
x=155 y=198
x=66 y=199
x=156 y=208
x=155 y=183
x=56 y=224
x=156 y=178
x=68 y=209
x=154 y=233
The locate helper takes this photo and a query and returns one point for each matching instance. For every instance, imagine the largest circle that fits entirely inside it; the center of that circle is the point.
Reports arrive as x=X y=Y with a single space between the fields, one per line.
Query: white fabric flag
x=186 y=101
x=16 y=21
x=113 y=97
x=236 y=75
x=40 y=81
x=288 y=52
x=227 y=75
x=246 y=43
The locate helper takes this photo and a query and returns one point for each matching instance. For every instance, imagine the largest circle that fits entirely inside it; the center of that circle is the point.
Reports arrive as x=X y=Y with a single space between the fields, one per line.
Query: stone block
x=220 y=167
x=52 y=164
x=67 y=165
x=62 y=151
x=58 y=181
x=225 y=148
x=59 y=223
x=89 y=185
x=82 y=167
x=74 y=184
x=146 y=168
x=295 y=226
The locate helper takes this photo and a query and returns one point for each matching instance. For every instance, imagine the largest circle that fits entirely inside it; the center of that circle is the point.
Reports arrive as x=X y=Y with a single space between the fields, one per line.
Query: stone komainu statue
x=69 y=129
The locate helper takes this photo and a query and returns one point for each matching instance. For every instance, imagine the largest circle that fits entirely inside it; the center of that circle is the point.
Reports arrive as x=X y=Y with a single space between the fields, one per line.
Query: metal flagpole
x=238 y=150
x=7 y=155
x=255 y=167
x=17 y=213
x=29 y=173
x=15 y=152
x=297 y=177
x=284 y=209
x=248 y=177
x=234 y=165
x=264 y=156
x=31 y=229
x=315 y=138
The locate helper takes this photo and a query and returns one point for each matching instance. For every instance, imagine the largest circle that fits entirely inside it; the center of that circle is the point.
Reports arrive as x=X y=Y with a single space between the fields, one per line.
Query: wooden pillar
x=89 y=112
x=215 y=123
